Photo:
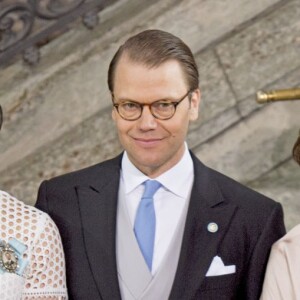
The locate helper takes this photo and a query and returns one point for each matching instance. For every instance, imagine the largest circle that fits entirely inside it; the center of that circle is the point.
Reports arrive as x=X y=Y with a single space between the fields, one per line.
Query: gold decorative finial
x=278 y=95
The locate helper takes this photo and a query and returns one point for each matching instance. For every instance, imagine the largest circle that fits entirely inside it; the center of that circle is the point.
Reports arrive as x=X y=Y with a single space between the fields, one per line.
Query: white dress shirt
x=169 y=200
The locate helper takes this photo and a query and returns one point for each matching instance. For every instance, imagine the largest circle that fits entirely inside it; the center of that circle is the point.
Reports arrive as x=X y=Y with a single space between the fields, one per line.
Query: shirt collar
x=131 y=176
x=183 y=171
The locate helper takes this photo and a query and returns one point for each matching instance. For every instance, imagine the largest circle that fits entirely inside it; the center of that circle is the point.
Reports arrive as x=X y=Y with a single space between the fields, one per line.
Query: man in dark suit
x=197 y=234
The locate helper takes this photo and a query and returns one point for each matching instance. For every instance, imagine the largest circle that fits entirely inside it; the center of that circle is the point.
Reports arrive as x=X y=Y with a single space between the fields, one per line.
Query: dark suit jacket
x=83 y=205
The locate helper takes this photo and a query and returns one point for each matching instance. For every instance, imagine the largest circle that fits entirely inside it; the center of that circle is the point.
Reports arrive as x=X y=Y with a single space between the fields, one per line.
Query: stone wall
x=58 y=113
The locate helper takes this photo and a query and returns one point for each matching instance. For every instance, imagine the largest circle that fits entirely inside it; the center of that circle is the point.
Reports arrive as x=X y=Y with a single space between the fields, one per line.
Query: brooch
x=11 y=257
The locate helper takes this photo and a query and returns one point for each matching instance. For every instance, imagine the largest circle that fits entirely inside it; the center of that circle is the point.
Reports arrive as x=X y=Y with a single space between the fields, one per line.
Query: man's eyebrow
x=124 y=99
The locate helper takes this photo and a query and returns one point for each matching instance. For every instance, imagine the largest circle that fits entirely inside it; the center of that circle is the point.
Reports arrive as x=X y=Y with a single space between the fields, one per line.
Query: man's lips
x=147 y=141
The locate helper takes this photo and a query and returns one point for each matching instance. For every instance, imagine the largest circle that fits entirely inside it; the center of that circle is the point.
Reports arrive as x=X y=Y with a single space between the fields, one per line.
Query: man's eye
x=163 y=105
x=130 y=106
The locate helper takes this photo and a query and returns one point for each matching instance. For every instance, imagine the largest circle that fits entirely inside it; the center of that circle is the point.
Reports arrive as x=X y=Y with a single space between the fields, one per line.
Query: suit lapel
x=199 y=245
x=98 y=207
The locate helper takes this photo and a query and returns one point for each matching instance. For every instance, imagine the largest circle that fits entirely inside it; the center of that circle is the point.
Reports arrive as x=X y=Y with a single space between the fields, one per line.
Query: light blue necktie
x=144 y=225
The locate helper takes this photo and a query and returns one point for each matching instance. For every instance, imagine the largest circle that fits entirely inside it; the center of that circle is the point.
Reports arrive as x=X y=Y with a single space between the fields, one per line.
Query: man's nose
x=147 y=121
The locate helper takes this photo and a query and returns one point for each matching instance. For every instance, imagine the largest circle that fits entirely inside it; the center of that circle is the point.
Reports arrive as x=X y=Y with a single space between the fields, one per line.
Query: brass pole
x=282 y=95
x=278 y=95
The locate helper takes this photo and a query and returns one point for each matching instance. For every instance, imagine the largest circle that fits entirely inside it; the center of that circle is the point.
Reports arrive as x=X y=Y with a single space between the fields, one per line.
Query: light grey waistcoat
x=135 y=280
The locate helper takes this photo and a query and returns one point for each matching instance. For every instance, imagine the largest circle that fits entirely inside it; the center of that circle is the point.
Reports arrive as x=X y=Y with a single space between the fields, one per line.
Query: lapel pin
x=212 y=227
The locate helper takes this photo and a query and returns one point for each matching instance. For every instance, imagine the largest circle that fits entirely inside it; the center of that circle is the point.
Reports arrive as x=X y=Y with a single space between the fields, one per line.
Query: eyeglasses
x=162 y=109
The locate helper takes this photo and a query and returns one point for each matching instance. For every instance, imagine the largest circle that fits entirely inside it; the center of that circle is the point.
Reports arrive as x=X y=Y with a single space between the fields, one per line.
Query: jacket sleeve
x=42 y=202
x=273 y=230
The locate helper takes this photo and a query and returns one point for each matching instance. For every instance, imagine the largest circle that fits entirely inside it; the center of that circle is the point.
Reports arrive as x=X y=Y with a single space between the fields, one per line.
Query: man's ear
x=113 y=114
x=195 y=104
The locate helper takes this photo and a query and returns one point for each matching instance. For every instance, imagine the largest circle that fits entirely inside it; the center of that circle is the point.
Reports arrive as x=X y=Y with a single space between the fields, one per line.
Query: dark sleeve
x=273 y=230
x=42 y=202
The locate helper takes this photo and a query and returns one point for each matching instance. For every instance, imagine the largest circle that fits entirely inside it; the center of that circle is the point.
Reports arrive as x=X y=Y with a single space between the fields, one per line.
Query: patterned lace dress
x=44 y=276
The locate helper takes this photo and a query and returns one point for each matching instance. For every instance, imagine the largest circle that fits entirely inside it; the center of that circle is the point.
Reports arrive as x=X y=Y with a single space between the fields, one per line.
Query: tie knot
x=151 y=186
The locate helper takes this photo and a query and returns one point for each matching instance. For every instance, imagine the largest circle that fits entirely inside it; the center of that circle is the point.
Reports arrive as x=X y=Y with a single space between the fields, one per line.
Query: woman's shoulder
x=293 y=234
x=291 y=239
x=11 y=204
x=19 y=220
